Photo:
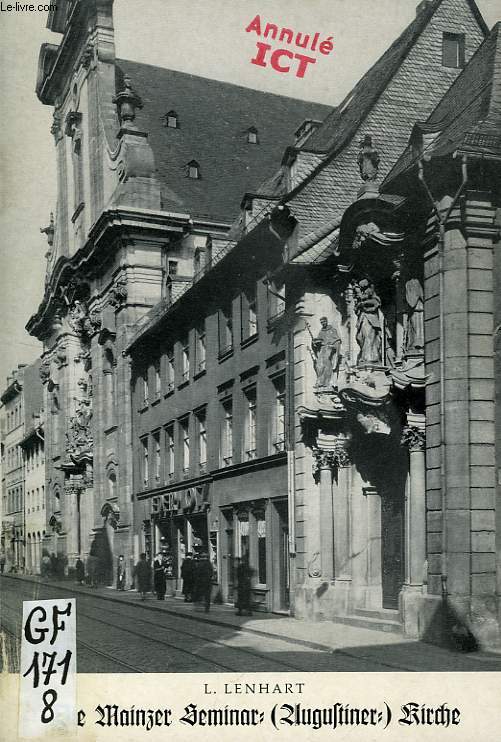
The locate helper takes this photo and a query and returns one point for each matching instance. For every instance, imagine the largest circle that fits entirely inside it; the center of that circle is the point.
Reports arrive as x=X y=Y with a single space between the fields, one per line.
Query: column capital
x=413 y=437
x=332 y=458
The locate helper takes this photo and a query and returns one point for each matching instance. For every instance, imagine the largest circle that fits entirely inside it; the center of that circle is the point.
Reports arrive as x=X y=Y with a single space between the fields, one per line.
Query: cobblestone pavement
x=125 y=635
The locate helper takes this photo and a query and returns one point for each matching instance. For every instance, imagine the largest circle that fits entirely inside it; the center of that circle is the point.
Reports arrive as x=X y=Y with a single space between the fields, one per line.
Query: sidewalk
x=393 y=650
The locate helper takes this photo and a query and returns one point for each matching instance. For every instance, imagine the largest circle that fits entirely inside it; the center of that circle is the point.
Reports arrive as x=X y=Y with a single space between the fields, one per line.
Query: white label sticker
x=48 y=668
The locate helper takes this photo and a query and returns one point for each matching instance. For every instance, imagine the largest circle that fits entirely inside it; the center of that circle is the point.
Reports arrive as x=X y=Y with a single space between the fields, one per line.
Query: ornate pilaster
x=414 y=438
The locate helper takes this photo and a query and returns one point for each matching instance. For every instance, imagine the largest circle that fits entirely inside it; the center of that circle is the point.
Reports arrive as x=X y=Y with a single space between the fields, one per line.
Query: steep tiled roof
x=214 y=118
x=468 y=118
x=340 y=126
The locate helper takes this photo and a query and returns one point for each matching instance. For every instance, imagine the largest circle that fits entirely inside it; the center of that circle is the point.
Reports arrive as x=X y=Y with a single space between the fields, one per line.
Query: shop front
x=180 y=524
x=253 y=526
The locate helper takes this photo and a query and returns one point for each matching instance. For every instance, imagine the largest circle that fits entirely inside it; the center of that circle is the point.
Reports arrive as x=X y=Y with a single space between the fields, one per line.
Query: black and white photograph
x=251 y=357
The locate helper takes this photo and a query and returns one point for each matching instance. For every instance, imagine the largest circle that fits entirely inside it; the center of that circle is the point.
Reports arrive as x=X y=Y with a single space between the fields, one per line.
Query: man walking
x=142 y=573
x=203 y=581
x=121 y=573
x=187 y=574
x=244 y=578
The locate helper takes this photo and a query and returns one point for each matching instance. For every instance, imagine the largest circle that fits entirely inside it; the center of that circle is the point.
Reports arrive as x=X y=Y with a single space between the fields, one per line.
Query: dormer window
x=171 y=120
x=193 y=170
x=453 y=50
x=252 y=135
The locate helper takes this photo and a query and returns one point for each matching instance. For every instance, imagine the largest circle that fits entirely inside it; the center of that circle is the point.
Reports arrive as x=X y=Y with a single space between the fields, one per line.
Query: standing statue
x=414 y=336
x=325 y=353
x=369 y=336
x=368 y=159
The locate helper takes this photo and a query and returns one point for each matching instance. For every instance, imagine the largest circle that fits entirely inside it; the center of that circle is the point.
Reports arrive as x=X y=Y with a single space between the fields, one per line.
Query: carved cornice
x=414 y=438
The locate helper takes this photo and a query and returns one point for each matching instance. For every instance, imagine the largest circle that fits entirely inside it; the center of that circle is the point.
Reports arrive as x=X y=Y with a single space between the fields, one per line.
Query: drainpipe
x=442 y=222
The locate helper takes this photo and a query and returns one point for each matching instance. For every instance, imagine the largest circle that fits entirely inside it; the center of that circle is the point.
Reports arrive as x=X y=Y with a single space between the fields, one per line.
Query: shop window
x=261 y=547
x=225 y=330
x=227 y=433
x=453 y=45
x=243 y=536
x=250 y=440
x=170 y=452
x=278 y=421
x=145 y=474
x=200 y=348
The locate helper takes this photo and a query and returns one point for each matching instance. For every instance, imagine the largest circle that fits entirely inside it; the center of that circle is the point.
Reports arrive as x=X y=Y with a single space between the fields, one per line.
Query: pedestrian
x=54 y=566
x=142 y=573
x=79 y=571
x=45 y=566
x=244 y=579
x=92 y=569
x=2 y=562
x=159 y=576
x=121 y=573
x=187 y=574
x=203 y=581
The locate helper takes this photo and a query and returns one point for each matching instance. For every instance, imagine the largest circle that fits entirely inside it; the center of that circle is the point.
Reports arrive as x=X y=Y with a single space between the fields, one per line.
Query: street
x=125 y=635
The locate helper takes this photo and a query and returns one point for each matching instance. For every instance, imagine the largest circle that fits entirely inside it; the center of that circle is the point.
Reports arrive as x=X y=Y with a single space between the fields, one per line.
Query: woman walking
x=159 y=578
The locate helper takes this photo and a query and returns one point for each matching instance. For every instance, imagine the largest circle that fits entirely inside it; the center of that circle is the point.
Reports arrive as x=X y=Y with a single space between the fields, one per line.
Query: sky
x=203 y=37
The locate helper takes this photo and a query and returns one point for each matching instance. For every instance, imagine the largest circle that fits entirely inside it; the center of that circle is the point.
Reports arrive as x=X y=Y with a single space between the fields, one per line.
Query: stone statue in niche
x=325 y=347
x=368 y=159
x=76 y=317
x=369 y=331
x=414 y=335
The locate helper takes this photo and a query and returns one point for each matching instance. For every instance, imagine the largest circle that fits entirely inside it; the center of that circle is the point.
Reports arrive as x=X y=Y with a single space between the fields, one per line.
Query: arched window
x=171 y=120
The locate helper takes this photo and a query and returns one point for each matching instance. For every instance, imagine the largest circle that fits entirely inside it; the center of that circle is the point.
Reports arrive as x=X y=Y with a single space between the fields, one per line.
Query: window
x=170 y=370
x=185 y=444
x=252 y=135
x=43 y=497
x=278 y=421
x=227 y=432
x=243 y=545
x=225 y=330
x=261 y=547
x=185 y=358
x=250 y=424
x=276 y=300
x=202 y=440
x=144 y=461
x=172 y=267
x=158 y=379
x=200 y=348
x=146 y=393
x=171 y=120
x=453 y=50
x=158 y=456
x=193 y=170
x=169 y=452
x=249 y=313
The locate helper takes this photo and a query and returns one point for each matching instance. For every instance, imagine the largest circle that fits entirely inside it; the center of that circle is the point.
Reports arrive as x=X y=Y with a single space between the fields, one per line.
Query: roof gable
x=468 y=117
x=340 y=126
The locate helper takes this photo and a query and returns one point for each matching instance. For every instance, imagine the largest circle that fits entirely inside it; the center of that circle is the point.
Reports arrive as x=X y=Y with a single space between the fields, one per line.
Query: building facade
x=35 y=515
x=13 y=526
x=209 y=424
